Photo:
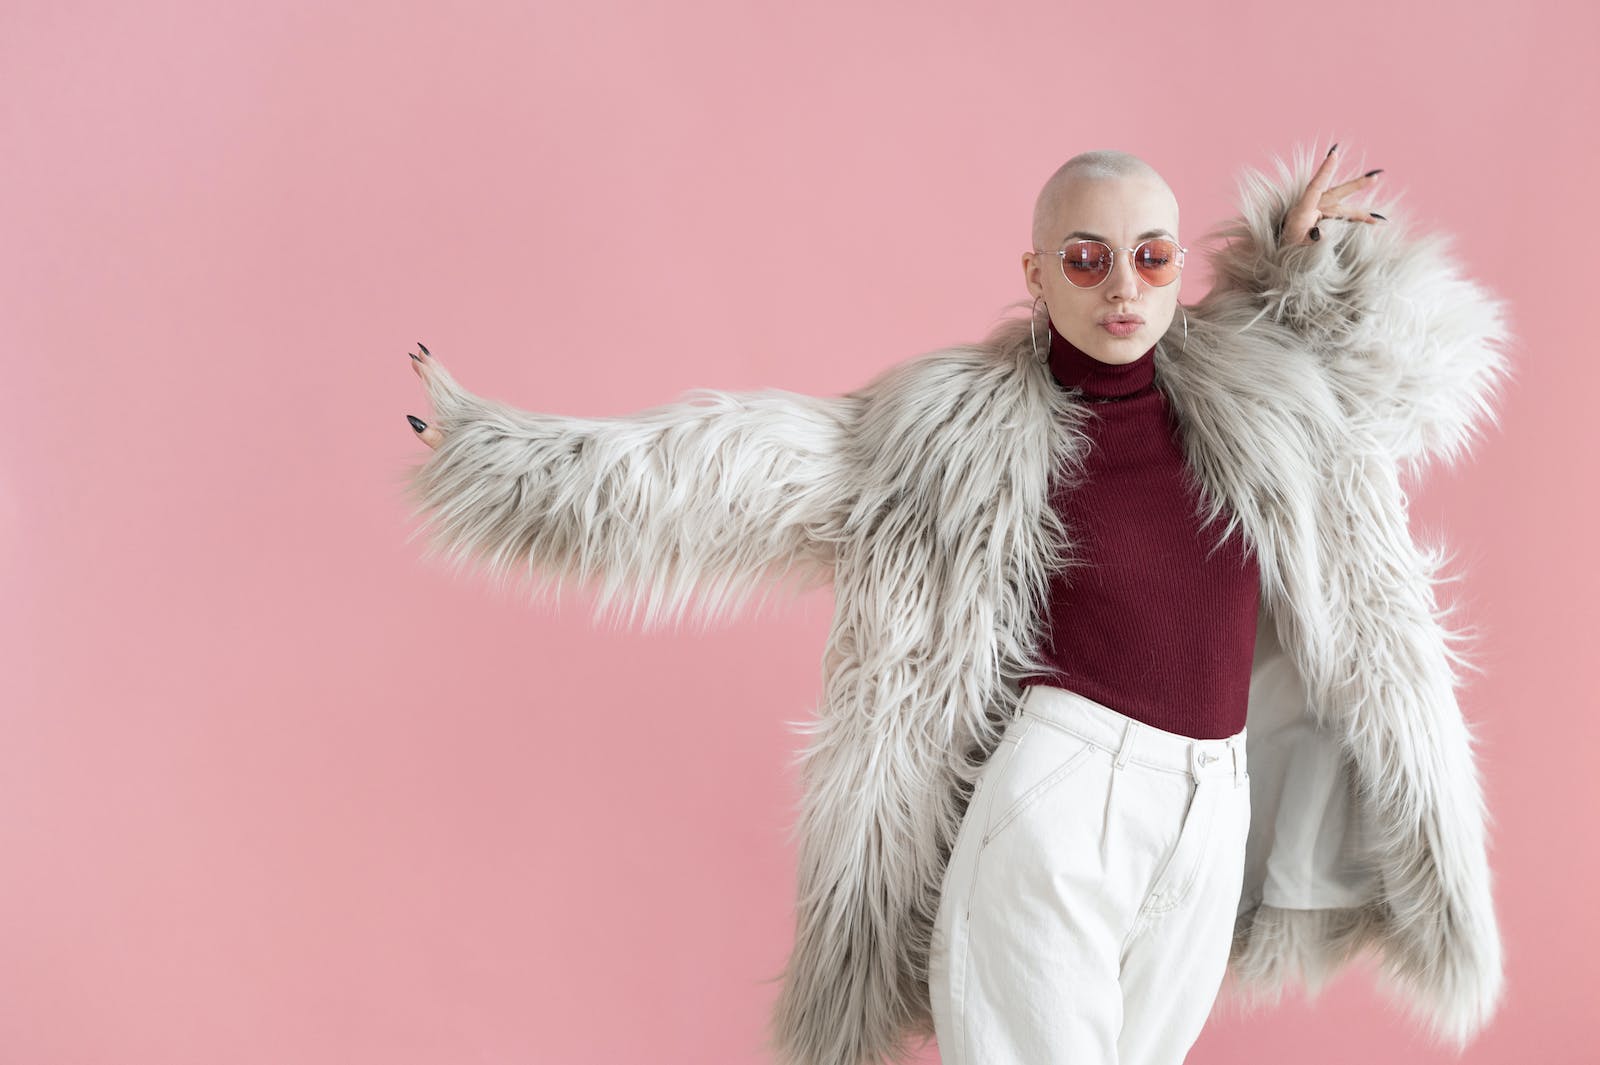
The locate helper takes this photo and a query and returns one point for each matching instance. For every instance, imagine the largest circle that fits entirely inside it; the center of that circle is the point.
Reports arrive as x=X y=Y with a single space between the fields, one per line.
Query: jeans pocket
x=1045 y=757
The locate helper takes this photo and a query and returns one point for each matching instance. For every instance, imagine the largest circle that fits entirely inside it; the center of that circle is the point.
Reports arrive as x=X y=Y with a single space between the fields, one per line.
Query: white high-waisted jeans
x=1089 y=904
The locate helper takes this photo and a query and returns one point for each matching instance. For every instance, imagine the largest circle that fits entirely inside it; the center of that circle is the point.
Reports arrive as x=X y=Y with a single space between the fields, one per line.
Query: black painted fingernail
x=1330 y=150
x=1375 y=214
x=1370 y=173
x=1316 y=234
x=424 y=348
x=416 y=423
x=413 y=356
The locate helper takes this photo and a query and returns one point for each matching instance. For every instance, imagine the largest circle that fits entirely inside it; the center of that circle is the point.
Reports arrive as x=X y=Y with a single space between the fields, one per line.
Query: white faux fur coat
x=1312 y=378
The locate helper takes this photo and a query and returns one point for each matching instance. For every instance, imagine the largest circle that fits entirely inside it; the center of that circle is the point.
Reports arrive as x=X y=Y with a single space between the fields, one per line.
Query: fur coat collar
x=1308 y=382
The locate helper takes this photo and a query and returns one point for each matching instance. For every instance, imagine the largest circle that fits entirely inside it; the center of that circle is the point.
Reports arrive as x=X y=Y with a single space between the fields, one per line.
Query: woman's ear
x=1030 y=274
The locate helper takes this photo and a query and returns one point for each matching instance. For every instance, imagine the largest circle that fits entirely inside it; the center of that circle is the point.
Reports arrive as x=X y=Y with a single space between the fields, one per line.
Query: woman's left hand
x=1320 y=202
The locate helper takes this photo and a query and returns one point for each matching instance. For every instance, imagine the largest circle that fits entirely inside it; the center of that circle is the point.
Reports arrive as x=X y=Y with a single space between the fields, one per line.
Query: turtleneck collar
x=1074 y=368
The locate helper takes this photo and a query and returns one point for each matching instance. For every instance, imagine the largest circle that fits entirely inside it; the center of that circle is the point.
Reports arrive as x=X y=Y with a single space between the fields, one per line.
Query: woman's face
x=1121 y=212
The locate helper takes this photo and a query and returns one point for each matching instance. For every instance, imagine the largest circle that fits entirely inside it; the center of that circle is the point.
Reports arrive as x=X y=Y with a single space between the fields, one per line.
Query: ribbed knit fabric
x=1151 y=626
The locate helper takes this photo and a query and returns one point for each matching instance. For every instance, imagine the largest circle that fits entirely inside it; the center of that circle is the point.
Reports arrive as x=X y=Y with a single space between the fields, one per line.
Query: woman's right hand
x=424 y=364
x=1319 y=203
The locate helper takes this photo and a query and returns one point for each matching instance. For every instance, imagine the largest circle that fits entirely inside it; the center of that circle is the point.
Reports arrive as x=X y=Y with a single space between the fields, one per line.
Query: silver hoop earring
x=1033 y=317
x=1185 y=345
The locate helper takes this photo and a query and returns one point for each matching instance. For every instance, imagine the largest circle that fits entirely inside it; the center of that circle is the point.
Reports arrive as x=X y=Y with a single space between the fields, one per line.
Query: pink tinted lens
x=1158 y=261
x=1086 y=262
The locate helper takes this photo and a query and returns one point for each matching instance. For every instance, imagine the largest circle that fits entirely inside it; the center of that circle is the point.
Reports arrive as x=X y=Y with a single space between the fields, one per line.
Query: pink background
x=273 y=791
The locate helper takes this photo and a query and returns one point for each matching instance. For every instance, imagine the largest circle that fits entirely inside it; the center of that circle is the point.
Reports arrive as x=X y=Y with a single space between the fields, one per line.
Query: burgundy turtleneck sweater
x=1151 y=627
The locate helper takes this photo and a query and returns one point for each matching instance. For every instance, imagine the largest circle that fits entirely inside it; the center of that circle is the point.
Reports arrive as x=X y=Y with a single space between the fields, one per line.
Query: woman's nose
x=1123 y=284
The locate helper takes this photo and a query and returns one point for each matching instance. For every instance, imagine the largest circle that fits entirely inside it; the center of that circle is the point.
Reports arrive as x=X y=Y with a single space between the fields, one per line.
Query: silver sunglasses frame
x=1061 y=254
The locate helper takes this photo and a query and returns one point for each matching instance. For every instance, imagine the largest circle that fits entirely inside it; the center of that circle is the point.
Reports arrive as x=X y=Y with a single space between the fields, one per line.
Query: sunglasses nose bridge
x=1119 y=257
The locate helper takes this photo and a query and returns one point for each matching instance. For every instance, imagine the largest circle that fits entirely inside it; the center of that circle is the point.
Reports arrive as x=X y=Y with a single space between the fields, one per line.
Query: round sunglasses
x=1087 y=263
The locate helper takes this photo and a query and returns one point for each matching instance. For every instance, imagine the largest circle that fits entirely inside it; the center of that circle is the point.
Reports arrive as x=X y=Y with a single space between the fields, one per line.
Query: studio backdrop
x=275 y=787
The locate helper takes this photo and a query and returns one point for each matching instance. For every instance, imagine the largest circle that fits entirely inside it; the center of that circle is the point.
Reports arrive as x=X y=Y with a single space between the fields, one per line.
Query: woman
x=1034 y=594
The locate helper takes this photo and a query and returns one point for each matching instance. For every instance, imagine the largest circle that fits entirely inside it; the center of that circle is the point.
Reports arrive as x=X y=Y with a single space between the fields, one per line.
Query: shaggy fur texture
x=1309 y=378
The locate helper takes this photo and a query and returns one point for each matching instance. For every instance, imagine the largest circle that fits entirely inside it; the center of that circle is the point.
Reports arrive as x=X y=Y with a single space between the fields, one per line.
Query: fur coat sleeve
x=691 y=508
x=1414 y=349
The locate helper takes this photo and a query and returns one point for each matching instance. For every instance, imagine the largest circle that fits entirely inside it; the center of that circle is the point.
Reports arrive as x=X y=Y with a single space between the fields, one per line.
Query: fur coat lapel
x=1307 y=379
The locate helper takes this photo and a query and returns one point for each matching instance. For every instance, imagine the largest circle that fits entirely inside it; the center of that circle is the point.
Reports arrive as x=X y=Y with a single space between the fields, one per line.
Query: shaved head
x=1085 y=166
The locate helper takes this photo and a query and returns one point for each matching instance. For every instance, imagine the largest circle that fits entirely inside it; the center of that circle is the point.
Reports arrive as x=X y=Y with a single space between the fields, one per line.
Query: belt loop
x=1238 y=763
x=1126 y=747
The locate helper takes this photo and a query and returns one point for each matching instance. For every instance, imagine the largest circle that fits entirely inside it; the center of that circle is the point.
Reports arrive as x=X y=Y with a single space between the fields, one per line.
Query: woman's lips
x=1124 y=328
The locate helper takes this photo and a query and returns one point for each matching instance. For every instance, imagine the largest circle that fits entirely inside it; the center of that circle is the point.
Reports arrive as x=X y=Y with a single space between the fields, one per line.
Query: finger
x=1353 y=214
x=1365 y=181
x=1312 y=196
x=427 y=433
x=426 y=365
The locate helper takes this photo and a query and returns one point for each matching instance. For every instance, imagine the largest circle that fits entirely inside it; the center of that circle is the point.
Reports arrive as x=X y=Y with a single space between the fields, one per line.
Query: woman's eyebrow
x=1146 y=235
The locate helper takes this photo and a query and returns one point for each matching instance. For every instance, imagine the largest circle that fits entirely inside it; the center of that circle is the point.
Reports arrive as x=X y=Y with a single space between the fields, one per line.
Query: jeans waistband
x=1134 y=741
